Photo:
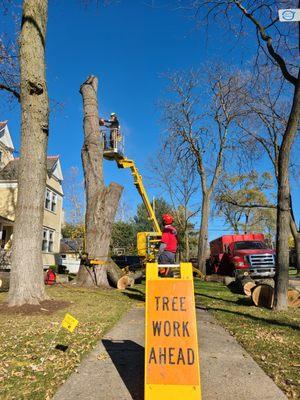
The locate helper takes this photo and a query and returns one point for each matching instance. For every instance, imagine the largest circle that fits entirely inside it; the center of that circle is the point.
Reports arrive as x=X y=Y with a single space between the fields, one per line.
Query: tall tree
x=265 y=125
x=74 y=197
x=199 y=129
x=279 y=42
x=143 y=224
x=244 y=202
x=101 y=201
x=26 y=248
x=124 y=236
x=177 y=178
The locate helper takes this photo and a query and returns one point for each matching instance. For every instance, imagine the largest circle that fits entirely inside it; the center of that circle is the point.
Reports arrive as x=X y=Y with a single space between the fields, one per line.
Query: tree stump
x=105 y=274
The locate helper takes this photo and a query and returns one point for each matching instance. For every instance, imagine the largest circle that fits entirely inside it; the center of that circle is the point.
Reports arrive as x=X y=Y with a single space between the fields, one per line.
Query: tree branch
x=10 y=90
x=266 y=38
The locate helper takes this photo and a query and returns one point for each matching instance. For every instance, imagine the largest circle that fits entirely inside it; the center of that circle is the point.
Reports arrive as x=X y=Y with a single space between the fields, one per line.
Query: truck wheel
x=232 y=271
x=209 y=268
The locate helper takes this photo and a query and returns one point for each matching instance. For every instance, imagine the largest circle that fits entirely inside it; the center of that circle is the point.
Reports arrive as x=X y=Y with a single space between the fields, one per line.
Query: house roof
x=10 y=171
x=70 y=245
x=5 y=137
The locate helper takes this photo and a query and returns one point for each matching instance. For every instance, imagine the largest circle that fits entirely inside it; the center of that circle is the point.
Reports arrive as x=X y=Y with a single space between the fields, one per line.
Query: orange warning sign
x=171 y=350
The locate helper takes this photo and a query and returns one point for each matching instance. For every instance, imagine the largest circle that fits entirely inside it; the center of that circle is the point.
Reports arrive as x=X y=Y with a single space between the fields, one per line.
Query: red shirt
x=169 y=237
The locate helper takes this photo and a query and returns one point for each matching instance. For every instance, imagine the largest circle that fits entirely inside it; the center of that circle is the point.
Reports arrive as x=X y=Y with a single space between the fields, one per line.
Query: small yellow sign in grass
x=69 y=322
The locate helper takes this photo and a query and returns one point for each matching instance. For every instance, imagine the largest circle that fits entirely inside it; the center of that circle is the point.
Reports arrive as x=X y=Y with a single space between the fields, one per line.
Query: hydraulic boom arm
x=138 y=181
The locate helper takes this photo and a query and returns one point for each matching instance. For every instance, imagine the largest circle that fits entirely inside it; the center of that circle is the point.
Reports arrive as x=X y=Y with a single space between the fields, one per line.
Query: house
x=53 y=214
x=70 y=250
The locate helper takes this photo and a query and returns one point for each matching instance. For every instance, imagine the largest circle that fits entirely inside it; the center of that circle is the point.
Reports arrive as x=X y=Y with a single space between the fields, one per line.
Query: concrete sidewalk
x=114 y=369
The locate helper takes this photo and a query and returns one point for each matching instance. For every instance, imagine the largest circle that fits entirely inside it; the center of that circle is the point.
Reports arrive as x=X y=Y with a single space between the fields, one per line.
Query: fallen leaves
x=24 y=341
x=102 y=356
x=272 y=339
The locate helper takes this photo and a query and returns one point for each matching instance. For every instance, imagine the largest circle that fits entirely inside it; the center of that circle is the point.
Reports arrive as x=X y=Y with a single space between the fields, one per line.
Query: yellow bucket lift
x=146 y=241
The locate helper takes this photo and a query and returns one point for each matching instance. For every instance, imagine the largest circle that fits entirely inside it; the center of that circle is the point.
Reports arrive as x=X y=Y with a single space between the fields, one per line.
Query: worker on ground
x=114 y=127
x=169 y=241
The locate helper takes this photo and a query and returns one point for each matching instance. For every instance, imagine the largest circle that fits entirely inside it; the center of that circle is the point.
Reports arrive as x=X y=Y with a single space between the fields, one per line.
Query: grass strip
x=271 y=338
x=24 y=340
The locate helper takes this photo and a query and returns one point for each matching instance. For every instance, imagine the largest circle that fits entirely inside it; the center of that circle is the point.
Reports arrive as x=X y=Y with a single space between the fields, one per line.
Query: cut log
x=246 y=284
x=266 y=281
x=125 y=282
x=293 y=298
x=247 y=287
x=114 y=273
x=130 y=279
x=138 y=275
x=228 y=280
x=214 y=278
x=263 y=295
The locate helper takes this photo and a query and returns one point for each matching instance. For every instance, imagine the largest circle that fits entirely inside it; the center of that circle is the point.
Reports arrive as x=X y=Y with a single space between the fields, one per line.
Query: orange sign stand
x=171 y=346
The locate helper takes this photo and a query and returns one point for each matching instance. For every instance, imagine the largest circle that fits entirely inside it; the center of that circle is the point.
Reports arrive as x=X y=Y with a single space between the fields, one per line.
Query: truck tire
x=209 y=267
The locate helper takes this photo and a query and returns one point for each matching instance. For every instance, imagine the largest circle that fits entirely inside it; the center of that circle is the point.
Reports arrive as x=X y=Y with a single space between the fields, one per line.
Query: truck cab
x=238 y=255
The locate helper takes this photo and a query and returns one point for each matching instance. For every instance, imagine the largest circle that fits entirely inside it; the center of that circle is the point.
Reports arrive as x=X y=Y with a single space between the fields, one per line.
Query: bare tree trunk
x=297 y=247
x=203 y=232
x=296 y=237
x=283 y=207
x=27 y=284
x=187 y=245
x=101 y=202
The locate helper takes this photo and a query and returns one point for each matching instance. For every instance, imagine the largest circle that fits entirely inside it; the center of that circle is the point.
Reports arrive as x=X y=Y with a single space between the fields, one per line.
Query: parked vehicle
x=132 y=262
x=238 y=255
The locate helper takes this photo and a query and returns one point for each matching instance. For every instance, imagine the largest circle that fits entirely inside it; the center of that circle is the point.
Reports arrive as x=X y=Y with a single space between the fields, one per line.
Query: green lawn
x=25 y=339
x=272 y=339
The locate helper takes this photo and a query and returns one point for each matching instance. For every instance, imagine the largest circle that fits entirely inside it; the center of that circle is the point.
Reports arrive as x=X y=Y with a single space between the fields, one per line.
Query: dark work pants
x=166 y=257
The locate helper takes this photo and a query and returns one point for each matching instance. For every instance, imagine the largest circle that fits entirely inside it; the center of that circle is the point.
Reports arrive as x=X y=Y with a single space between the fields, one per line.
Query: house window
x=50 y=200
x=54 y=202
x=48 y=240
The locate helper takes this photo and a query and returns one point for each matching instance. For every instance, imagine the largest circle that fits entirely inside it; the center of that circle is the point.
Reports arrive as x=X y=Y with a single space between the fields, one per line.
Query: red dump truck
x=238 y=255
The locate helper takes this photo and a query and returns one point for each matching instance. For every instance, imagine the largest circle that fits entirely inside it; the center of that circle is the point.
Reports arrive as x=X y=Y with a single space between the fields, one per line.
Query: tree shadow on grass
x=216 y=298
x=253 y=317
x=128 y=358
x=134 y=294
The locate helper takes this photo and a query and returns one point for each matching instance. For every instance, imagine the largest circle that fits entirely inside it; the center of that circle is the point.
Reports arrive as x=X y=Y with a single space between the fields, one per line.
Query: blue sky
x=128 y=45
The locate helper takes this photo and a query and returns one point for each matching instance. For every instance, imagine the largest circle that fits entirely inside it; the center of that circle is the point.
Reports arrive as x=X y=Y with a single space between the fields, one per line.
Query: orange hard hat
x=167 y=218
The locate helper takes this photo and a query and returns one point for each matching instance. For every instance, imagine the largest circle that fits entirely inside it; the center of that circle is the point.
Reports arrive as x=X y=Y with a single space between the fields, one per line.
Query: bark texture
x=101 y=201
x=296 y=236
x=203 y=233
x=27 y=284
x=283 y=205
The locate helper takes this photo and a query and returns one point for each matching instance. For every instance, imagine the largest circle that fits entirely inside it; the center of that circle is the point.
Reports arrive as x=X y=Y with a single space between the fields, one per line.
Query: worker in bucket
x=169 y=242
x=114 y=127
